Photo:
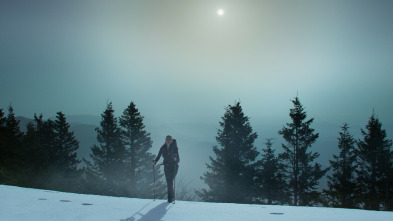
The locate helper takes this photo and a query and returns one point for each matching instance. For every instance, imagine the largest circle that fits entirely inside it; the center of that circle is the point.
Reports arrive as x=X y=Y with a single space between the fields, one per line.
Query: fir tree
x=12 y=132
x=66 y=176
x=2 y=122
x=45 y=129
x=35 y=160
x=342 y=183
x=138 y=144
x=107 y=171
x=11 y=141
x=270 y=180
x=60 y=148
x=230 y=174
x=19 y=156
x=46 y=132
x=2 y=148
x=374 y=177
x=67 y=145
x=303 y=175
x=388 y=200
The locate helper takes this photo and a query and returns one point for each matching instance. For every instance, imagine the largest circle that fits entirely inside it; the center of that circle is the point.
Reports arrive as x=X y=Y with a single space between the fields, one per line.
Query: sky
x=18 y=203
x=180 y=61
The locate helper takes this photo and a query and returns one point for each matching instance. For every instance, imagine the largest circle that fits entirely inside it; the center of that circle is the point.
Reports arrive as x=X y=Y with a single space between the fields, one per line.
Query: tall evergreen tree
x=2 y=148
x=375 y=155
x=230 y=174
x=342 y=183
x=66 y=175
x=138 y=144
x=303 y=174
x=59 y=145
x=388 y=199
x=20 y=154
x=67 y=145
x=270 y=180
x=10 y=146
x=35 y=161
x=107 y=171
x=12 y=132
x=2 y=122
x=46 y=132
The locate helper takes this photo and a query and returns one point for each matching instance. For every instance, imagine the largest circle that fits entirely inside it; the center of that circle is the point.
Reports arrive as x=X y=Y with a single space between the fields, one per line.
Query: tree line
x=120 y=165
x=46 y=156
x=362 y=173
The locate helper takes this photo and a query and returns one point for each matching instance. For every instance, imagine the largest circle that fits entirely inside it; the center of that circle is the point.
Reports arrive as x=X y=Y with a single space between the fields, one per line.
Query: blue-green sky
x=180 y=61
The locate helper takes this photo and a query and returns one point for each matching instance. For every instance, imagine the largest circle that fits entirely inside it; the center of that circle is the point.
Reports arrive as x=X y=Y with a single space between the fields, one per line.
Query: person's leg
x=175 y=169
x=170 y=190
x=172 y=172
x=168 y=181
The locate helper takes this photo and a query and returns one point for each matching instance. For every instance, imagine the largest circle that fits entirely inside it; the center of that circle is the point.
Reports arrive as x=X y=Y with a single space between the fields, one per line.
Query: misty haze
x=270 y=102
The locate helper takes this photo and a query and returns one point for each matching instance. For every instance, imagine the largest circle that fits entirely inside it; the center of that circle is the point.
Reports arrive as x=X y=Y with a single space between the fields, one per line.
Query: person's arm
x=158 y=156
x=177 y=158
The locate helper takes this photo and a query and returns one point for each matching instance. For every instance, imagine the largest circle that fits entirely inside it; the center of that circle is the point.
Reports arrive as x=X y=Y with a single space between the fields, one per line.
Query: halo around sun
x=220 y=12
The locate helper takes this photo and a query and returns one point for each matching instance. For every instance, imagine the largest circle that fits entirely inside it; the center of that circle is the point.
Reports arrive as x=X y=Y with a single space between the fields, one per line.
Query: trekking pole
x=154 y=187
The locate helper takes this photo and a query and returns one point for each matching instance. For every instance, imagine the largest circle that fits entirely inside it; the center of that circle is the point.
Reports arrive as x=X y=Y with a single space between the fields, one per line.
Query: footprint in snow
x=66 y=201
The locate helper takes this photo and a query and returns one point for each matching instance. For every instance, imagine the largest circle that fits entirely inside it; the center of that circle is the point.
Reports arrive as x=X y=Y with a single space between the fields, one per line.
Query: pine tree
x=67 y=145
x=303 y=176
x=342 y=183
x=60 y=148
x=11 y=142
x=106 y=174
x=12 y=132
x=20 y=154
x=230 y=174
x=3 y=150
x=138 y=144
x=388 y=200
x=2 y=122
x=375 y=155
x=270 y=180
x=66 y=176
x=35 y=160
x=46 y=132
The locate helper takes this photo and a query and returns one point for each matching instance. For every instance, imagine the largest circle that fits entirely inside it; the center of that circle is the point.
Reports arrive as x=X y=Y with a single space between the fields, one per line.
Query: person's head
x=168 y=139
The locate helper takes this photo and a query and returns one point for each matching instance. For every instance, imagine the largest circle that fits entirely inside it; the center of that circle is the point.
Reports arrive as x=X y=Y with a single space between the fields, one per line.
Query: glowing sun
x=220 y=12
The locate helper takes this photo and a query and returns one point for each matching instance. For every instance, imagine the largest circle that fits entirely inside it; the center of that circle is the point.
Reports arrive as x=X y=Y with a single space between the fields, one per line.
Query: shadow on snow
x=157 y=213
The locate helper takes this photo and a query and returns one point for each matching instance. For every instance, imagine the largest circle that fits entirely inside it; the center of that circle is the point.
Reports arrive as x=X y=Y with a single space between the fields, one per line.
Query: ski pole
x=154 y=186
x=154 y=171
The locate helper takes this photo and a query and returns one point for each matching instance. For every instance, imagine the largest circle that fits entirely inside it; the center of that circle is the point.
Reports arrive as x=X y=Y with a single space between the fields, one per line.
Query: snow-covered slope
x=33 y=204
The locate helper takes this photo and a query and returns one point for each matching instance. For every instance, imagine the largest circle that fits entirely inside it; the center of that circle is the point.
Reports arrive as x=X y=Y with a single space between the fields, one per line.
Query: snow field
x=34 y=204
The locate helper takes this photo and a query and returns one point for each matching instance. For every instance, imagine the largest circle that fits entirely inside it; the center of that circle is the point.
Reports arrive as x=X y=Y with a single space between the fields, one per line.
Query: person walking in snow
x=170 y=153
